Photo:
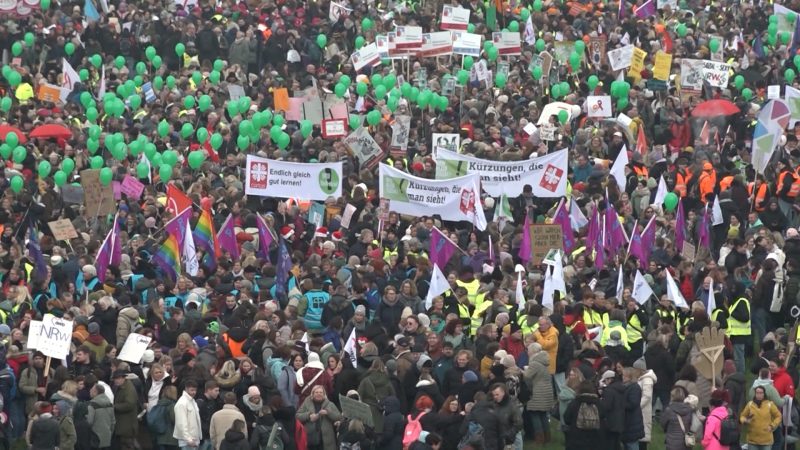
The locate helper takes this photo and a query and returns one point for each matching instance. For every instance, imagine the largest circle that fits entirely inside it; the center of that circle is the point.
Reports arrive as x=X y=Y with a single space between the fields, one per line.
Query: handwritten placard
x=98 y=199
x=134 y=348
x=63 y=230
x=543 y=239
x=132 y=187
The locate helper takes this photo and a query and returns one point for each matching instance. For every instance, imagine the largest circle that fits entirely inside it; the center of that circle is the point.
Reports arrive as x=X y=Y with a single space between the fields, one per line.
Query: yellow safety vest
x=463 y=314
x=736 y=328
x=387 y=254
x=592 y=317
x=472 y=289
x=478 y=316
x=522 y=321
x=607 y=335
x=634 y=329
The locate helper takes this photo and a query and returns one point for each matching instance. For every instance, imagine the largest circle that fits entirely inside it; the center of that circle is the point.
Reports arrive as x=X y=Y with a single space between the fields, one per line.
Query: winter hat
x=360 y=309
x=253 y=391
x=424 y=320
x=508 y=361
x=287 y=232
x=534 y=348
x=608 y=374
x=148 y=356
x=423 y=360
x=640 y=364
x=313 y=361
x=470 y=376
x=322 y=232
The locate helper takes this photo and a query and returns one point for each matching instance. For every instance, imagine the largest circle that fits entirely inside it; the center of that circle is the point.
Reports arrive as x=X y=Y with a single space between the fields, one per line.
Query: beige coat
x=222 y=421
x=646 y=382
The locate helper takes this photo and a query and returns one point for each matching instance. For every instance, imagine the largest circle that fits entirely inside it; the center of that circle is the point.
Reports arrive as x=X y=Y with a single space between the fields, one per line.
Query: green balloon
x=500 y=80
x=376 y=80
x=713 y=45
x=45 y=4
x=44 y=169
x=671 y=201
x=380 y=92
x=119 y=62
x=242 y=142
x=524 y=13
x=5 y=104
x=340 y=90
x=214 y=77
x=747 y=93
x=278 y=120
x=682 y=30
x=150 y=52
x=575 y=61
x=16 y=184
x=19 y=155
x=389 y=81
x=96 y=60
x=492 y=53
x=164 y=172
x=785 y=37
x=563 y=117
x=204 y=103
x=537 y=5
x=141 y=68
x=360 y=41
x=94 y=132
x=468 y=62
x=69 y=48
x=366 y=24
x=219 y=65
x=540 y=45
x=196 y=158
x=171 y=82
x=738 y=81
x=305 y=128
x=622 y=103
x=537 y=73
x=471 y=28
x=322 y=40
x=361 y=88
x=373 y=117
x=163 y=128
x=92 y=145
x=96 y=162
x=16 y=48
x=14 y=79
x=169 y=157
x=202 y=135
x=355 y=121
x=157 y=62
x=513 y=26
x=60 y=178
x=135 y=101
x=30 y=39
x=283 y=141
x=142 y=170
x=180 y=49
x=274 y=132
x=789 y=75
x=216 y=141
x=188 y=102
x=462 y=76
x=197 y=77
x=580 y=46
x=91 y=114
x=186 y=130
x=12 y=139
x=593 y=81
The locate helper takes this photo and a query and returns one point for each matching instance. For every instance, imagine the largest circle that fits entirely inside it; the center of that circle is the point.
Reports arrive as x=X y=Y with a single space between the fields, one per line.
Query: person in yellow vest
x=528 y=320
x=636 y=324
x=739 y=329
x=593 y=315
x=615 y=323
x=467 y=280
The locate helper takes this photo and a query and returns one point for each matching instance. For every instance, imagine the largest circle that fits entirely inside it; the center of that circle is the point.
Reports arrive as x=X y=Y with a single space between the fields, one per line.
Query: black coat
x=449 y=428
x=612 y=408
x=662 y=363
x=394 y=425
x=634 y=423
x=483 y=414
x=234 y=440
x=45 y=434
x=574 y=438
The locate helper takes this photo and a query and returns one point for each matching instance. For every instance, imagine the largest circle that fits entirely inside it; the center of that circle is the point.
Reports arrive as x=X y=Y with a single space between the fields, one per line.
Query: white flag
x=101 y=91
x=674 y=293
x=351 y=348
x=304 y=340
x=620 y=285
x=558 y=276
x=712 y=302
x=661 y=192
x=716 y=212
x=641 y=289
x=69 y=78
x=530 y=34
x=618 y=168
x=548 y=291
x=439 y=285
x=576 y=216
x=520 y=296
x=189 y=253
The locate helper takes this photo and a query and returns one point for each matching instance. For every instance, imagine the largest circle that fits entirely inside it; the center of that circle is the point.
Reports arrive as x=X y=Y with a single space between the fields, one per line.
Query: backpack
x=300 y=436
x=157 y=419
x=274 y=441
x=729 y=433
x=350 y=446
x=413 y=430
x=588 y=417
x=474 y=437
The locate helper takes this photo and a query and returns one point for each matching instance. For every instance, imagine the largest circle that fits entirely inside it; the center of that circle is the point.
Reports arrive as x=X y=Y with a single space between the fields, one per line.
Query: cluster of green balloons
x=13 y=77
x=559 y=90
x=620 y=90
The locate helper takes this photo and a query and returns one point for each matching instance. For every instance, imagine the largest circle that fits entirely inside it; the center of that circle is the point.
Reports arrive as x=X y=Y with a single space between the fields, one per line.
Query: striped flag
x=206 y=239
x=647 y=9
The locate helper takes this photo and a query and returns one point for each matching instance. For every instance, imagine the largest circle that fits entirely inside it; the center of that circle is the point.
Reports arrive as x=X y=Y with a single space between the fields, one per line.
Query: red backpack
x=300 y=438
x=413 y=430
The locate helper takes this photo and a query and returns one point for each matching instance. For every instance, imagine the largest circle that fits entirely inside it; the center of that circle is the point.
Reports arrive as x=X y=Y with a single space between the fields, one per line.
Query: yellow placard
x=637 y=64
x=662 y=65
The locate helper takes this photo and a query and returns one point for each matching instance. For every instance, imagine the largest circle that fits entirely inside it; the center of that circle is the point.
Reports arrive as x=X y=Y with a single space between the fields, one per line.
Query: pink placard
x=132 y=187
x=117 y=186
x=295 y=111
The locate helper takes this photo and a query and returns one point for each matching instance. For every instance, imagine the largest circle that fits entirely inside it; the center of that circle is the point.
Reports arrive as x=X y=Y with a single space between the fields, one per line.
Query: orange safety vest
x=725 y=183
x=640 y=171
x=706 y=184
x=681 y=180
x=235 y=347
x=794 y=190
x=761 y=195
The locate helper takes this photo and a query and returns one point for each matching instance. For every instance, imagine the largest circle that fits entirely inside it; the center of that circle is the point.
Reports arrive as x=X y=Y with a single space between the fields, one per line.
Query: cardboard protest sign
x=310 y=181
x=98 y=199
x=336 y=10
x=316 y=214
x=448 y=141
x=637 y=64
x=235 y=91
x=347 y=215
x=134 y=348
x=49 y=93
x=408 y=38
x=597 y=51
x=72 y=194
x=51 y=336
x=454 y=18
x=63 y=230
x=354 y=409
x=543 y=239
x=364 y=147
x=695 y=71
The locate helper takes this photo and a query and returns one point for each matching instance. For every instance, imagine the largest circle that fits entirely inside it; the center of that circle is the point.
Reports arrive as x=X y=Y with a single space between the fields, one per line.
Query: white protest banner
x=52 y=336
x=467 y=44
x=134 y=348
x=408 y=38
x=783 y=13
x=792 y=97
x=598 y=106
x=364 y=147
x=336 y=10
x=773 y=91
x=457 y=199
x=454 y=18
x=448 y=141
x=547 y=174
x=695 y=71
x=620 y=58
x=436 y=44
x=308 y=181
x=366 y=56
x=507 y=42
x=334 y=128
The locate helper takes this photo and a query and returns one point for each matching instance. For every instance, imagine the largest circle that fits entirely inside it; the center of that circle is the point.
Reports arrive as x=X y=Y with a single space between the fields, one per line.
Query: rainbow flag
x=168 y=257
x=206 y=238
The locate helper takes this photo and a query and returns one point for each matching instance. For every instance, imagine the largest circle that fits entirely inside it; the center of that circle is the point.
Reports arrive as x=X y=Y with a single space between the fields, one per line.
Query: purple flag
x=35 y=252
x=442 y=248
x=227 y=238
x=593 y=231
x=116 y=244
x=648 y=239
x=621 y=11
x=264 y=238
x=562 y=218
x=525 y=246
x=282 y=274
x=703 y=234
x=110 y=252
x=647 y=9
x=615 y=236
x=600 y=257
x=680 y=227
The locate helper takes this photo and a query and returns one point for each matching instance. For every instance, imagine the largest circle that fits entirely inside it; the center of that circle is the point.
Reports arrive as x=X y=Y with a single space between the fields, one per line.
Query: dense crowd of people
x=324 y=336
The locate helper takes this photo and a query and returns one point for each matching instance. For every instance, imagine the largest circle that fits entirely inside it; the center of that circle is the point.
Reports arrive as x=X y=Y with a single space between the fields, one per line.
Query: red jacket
x=783 y=383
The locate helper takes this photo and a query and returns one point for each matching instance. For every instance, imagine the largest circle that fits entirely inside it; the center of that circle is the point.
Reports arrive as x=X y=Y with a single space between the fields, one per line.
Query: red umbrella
x=715 y=108
x=51 y=131
x=6 y=128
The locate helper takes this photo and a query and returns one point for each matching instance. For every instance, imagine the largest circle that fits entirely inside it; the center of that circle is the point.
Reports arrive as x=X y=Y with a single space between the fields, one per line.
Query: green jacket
x=28 y=382
x=68 y=436
x=126 y=410
x=101 y=419
x=166 y=438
